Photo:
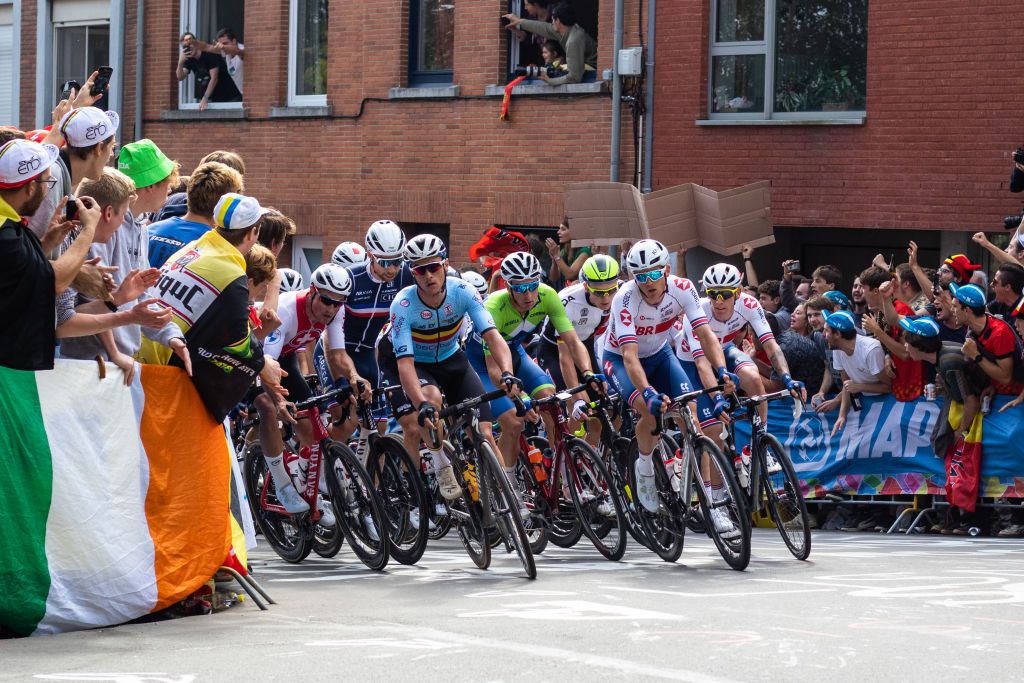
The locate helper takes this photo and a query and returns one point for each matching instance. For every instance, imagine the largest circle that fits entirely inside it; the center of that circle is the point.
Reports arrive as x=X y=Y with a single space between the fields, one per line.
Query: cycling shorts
x=454 y=376
x=365 y=362
x=547 y=358
x=705 y=404
x=734 y=358
x=664 y=372
x=529 y=373
x=294 y=382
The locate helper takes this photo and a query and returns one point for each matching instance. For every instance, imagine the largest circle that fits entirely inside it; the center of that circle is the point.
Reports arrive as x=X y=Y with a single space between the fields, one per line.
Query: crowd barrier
x=885 y=448
x=115 y=500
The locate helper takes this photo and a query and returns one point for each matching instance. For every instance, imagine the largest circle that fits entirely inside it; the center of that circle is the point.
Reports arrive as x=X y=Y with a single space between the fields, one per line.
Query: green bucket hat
x=144 y=163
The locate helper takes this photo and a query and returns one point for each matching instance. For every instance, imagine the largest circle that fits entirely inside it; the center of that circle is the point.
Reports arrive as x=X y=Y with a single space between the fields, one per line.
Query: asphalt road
x=865 y=606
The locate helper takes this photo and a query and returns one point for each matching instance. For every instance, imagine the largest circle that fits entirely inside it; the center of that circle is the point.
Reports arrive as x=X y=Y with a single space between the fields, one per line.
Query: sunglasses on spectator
x=608 y=291
x=328 y=301
x=652 y=276
x=389 y=262
x=722 y=294
x=524 y=287
x=428 y=268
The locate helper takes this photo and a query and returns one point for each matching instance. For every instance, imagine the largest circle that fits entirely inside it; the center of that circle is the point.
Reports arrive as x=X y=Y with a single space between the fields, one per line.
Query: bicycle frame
x=551 y=490
x=757 y=455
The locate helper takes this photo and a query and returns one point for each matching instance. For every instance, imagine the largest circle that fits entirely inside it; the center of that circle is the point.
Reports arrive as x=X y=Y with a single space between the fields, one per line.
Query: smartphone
x=68 y=88
x=99 y=86
x=71 y=209
x=793 y=267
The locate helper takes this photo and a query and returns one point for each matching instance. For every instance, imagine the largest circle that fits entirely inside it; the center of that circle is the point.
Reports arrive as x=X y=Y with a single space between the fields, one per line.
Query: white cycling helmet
x=722 y=276
x=425 y=246
x=349 y=254
x=520 y=265
x=454 y=273
x=646 y=254
x=385 y=239
x=478 y=281
x=291 y=280
x=330 y=278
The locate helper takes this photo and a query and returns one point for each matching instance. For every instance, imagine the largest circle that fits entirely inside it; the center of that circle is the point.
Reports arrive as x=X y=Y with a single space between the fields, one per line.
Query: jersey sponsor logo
x=750 y=302
x=683 y=284
x=185 y=259
x=404 y=302
x=625 y=317
x=186 y=294
x=426 y=315
x=274 y=337
x=29 y=165
x=402 y=349
x=449 y=310
x=642 y=330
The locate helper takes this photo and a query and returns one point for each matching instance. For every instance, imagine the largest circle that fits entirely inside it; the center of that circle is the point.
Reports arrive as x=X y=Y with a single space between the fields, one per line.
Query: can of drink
x=817 y=400
x=929 y=392
x=855 y=402
x=986 y=405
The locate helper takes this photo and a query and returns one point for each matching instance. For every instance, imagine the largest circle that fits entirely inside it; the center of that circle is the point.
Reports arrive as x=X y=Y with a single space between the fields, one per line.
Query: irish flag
x=114 y=500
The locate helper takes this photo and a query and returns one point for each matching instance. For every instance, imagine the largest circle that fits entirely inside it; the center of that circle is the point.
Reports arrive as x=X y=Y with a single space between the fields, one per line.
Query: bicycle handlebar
x=322 y=398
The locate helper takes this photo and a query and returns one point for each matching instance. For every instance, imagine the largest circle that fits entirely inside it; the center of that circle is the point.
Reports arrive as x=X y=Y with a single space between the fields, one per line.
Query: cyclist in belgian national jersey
x=423 y=354
x=304 y=316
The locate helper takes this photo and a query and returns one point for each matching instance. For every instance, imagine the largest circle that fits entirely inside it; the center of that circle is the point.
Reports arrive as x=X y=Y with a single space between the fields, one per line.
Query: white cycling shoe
x=371 y=528
x=327 y=519
x=772 y=464
x=448 y=484
x=414 y=520
x=290 y=499
x=723 y=524
x=646 y=489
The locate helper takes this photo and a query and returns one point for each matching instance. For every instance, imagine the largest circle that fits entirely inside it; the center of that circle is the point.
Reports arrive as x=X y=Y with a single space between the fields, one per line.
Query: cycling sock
x=717 y=493
x=645 y=464
x=439 y=458
x=277 y=470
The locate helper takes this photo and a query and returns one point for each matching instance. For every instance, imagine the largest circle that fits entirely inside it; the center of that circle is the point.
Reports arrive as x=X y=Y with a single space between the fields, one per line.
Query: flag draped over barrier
x=885 y=448
x=114 y=499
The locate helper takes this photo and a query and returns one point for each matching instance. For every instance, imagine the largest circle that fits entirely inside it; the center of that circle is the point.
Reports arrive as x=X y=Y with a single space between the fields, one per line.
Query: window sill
x=233 y=114
x=424 y=92
x=854 y=120
x=545 y=89
x=299 y=112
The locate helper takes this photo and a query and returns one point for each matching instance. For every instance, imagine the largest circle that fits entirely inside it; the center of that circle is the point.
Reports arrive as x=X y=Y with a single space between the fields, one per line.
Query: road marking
x=120 y=677
x=569 y=610
x=740 y=594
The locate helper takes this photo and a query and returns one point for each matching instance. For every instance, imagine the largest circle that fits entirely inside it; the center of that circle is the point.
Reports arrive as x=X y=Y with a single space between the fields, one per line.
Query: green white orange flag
x=114 y=500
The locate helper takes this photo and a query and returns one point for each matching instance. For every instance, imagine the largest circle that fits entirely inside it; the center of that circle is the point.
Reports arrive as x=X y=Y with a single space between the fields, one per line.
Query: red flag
x=507 y=99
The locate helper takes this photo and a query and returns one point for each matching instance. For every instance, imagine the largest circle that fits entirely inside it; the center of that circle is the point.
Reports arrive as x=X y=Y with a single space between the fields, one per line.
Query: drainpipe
x=649 y=115
x=616 y=94
x=140 y=10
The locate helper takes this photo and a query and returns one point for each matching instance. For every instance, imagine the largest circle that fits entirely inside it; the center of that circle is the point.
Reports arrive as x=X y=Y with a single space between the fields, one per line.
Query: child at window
x=554 y=58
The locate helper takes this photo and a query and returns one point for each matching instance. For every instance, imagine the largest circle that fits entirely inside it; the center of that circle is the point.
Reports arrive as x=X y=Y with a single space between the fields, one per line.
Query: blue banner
x=886 y=449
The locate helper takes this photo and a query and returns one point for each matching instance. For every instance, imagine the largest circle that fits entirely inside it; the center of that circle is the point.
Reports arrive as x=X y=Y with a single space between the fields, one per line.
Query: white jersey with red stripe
x=297 y=330
x=634 y=321
x=685 y=342
x=747 y=311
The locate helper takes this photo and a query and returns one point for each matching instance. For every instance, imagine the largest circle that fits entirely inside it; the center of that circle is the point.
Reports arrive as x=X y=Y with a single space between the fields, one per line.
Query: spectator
x=831 y=381
x=554 y=57
x=824 y=279
x=212 y=83
x=803 y=356
x=991 y=344
x=1017 y=315
x=803 y=288
x=261 y=270
x=860 y=304
x=538 y=10
x=957 y=268
x=208 y=184
x=1007 y=288
x=232 y=51
x=565 y=261
x=798 y=321
x=580 y=49
x=950 y=329
x=980 y=278
x=1000 y=255
x=790 y=284
x=882 y=322
x=176 y=203
x=1017 y=178
x=29 y=282
x=275 y=229
x=909 y=289
x=859 y=359
x=768 y=295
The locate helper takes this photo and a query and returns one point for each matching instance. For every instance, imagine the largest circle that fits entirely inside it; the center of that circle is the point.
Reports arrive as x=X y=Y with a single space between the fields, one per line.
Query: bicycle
x=778 y=490
x=684 y=494
x=594 y=497
x=487 y=500
x=357 y=508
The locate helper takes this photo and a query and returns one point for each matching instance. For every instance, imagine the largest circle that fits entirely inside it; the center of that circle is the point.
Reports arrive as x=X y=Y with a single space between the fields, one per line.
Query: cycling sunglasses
x=721 y=294
x=524 y=287
x=652 y=276
x=608 y=291
x=389 y=262
x=328 y=301
x=428 y=268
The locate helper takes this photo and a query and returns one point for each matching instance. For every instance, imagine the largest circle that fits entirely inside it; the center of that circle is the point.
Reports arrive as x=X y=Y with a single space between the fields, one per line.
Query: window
x=8 y=113
x=205 y=18
x=307 y=55
x=79 y=49
x=788 y=59
x=307 y=254
x=431 y=41
x=527 y=52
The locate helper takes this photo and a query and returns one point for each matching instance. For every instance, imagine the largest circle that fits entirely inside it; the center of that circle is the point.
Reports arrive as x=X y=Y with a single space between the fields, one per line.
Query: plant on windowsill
x=831 y=89
x=791 y=97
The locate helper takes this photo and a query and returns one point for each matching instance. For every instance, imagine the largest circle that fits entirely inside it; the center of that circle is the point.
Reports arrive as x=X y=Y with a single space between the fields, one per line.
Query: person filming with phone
x=212 y=82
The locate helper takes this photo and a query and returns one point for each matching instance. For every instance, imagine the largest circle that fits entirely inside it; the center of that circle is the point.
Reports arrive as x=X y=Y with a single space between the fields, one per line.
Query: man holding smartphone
x=212 y=82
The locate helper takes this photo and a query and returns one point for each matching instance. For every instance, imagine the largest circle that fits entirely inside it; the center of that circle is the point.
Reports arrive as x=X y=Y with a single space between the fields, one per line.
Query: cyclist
x=422 y=353
x=478 y=281
x=349 y=254
x=291 y=280
x=518 y=311
x=304 y=315
x=640 y=362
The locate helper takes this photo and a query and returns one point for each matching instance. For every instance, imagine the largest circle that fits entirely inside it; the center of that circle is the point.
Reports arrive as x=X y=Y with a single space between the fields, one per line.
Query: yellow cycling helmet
x=599 y=268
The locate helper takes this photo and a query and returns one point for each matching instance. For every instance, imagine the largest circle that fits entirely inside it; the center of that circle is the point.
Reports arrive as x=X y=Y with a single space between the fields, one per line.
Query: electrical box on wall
x=631 y=61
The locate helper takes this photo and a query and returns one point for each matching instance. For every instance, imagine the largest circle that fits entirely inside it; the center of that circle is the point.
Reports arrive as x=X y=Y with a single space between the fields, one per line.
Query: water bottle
x=304 y=454
x=427 y=467
x=742 y=464
x=549 y=459
x=674 y=467
x=536 y=459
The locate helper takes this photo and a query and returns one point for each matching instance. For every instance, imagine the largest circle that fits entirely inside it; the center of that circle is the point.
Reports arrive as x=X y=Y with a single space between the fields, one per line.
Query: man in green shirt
x=580 y=48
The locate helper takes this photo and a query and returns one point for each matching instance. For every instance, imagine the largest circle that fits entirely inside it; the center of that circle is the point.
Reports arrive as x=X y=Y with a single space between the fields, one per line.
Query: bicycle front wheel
x=400 y=488
x=785 y=498
x=290 y=536
x=504 y=507
x=725 y=515
x=357 y=506
x=596 y=500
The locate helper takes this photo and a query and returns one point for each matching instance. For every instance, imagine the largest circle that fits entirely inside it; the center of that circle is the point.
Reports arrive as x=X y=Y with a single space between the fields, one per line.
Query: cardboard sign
x=682 y=216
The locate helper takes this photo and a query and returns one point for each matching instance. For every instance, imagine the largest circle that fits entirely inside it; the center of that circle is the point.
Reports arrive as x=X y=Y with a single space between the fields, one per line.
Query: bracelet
x=111 y=306
x=746 y=259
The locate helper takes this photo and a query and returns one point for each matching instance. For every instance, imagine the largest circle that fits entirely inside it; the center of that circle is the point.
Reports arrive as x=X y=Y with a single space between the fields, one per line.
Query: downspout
x=649 y=104
x=140 y=7
x=616 y=94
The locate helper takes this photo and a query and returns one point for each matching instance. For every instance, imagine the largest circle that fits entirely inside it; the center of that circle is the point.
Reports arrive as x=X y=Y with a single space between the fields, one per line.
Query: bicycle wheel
x=291 y=536
x=785 y=498
x=400 y=488
x=504 y=506
x=357 y=507
x=533 y=494
x=466 y=512
x=663 y=529
x=734 y=545
x=597 y=503
x=617 y=462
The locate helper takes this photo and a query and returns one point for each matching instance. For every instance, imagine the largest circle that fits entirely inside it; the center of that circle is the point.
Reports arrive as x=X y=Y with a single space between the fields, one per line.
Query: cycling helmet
x=291 y=280
x=478 y=281
x=599 y=268
x=425 y=246
x=349 y=254
x=647 y=254
x=520 y=265
x=722 y=276
x=454 y=273
x=385 y=239
x=331 y=278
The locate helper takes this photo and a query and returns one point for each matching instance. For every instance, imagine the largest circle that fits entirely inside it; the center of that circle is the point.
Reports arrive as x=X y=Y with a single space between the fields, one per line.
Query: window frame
x=294 y=99
x=417 y=76
x=55 y=27
x=766 y=47
x=189 y=9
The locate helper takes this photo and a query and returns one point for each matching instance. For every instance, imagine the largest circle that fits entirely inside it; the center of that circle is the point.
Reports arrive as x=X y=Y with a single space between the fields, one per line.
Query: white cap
x=22 y=160
x=86 y=126
x=237 y=212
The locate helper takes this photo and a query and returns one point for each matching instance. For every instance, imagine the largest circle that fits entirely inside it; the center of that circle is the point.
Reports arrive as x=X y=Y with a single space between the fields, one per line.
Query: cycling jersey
x=747 y=311
x=297 y=330
x=514 y=326
x=368 y=307
x=587 y=320
x=634 y=321
x=429 y=334
x=685 y=343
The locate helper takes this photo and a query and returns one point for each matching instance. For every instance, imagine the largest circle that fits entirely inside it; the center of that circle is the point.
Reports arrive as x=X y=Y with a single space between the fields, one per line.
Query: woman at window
x=565 y=261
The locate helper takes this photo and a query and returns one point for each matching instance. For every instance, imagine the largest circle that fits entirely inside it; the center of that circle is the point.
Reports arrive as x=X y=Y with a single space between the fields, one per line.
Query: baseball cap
x=962 y=266
x=144 y=163
x=23 y=160
x=88 y=126
x=838 y=298
x=922 y=326
x=237 y=212
x=841 y=321
x=970 y=295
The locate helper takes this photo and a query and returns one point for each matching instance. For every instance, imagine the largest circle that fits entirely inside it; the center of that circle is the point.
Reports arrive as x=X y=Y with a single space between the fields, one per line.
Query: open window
x=431 y=42
x=204 y=18
x=307 y=53
x=524 y=49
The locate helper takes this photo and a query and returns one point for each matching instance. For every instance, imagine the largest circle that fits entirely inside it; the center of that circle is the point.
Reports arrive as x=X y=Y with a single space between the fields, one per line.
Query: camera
x=1011 y=222
x=1018 y=156
x=71 y=210
x=535 y=71
x=793 y=267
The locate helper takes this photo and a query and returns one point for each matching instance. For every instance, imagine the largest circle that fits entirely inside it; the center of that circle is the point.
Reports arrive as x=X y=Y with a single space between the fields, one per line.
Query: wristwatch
x=977 y=359
x=110 y=305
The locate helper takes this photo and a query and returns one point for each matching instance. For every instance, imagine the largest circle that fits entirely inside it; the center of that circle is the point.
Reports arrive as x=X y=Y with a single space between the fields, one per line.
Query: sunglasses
x=328 y=301
x=610 y=291
x=721 y=294
x=652 y=276
x=428 y=268
x=389 y=262
x=524 y=287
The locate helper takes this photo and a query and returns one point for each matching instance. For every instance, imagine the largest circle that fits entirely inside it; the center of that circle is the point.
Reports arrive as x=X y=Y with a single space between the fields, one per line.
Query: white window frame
x=299 y=262
x=295 y=100
x=187 y=15
x=54 y=27
x=767 y=48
